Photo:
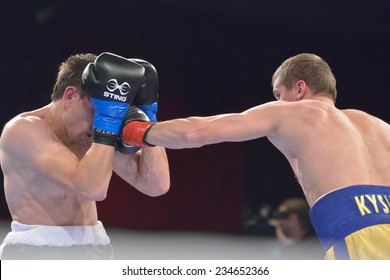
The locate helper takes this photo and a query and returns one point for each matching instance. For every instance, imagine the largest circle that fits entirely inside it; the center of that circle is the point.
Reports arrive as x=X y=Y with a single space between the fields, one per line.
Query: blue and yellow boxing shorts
x=354 y=222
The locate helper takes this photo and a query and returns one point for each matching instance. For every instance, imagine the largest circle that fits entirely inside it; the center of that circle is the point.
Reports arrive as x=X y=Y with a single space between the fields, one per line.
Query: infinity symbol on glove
x=112 y=85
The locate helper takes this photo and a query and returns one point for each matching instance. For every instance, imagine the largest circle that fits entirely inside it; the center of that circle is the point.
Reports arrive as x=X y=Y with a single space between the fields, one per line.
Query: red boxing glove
x=135 y=132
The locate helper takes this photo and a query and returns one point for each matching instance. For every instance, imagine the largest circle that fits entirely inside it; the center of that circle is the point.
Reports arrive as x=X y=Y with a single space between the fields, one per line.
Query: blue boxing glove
x=111 y=82
x=147 y=96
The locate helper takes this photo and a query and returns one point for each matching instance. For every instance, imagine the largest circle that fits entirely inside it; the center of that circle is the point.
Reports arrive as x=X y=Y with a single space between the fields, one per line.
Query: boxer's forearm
x=173 y=134
x=190 y=132
x=153 y=171
x=176 y=134
x=94 y=172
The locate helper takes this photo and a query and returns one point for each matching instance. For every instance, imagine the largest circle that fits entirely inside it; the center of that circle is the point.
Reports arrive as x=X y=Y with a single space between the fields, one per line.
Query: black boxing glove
x=111 y=81
x=133 y=114
x=147 y=96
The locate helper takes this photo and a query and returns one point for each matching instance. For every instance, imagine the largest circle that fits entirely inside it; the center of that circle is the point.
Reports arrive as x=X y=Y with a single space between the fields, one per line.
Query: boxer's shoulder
x=26 y=127
x=24 y=121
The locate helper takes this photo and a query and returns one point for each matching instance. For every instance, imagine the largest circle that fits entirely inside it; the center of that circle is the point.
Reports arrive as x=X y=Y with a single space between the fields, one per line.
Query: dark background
x=212 y=57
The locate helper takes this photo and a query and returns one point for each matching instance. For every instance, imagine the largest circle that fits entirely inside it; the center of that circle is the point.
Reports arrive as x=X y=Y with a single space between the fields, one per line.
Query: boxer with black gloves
x=54 y=173
x=112 y=82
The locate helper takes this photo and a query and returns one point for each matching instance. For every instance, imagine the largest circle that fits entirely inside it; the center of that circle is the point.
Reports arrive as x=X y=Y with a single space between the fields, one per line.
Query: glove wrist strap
x=146 y=134
x=135 y=132
x=104 y=137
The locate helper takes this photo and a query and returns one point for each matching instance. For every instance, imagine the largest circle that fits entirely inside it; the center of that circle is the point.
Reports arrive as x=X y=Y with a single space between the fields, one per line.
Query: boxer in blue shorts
x=353 y=222
x=330 y=151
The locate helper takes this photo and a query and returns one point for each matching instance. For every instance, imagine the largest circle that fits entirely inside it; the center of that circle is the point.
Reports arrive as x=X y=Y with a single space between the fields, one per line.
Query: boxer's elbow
x=99 y=190
x=158 y=191
x=163 y=187
x=98 y=194
x=92 y=190
x=156 y=188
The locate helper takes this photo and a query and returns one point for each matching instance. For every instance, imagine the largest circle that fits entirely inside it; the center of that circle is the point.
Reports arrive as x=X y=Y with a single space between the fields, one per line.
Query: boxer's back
x=329 y=148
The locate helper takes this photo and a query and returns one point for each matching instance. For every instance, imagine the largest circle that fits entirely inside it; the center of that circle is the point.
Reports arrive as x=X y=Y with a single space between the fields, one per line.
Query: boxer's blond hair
x=310 y=68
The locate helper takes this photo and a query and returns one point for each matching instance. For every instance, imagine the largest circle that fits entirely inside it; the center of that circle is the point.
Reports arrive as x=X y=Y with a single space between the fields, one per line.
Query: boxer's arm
x=192 y=132
x=147 y=170
x=31 y=146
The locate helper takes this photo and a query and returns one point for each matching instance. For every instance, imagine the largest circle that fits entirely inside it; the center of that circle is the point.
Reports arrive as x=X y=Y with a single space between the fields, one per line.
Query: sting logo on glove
x=113 y=85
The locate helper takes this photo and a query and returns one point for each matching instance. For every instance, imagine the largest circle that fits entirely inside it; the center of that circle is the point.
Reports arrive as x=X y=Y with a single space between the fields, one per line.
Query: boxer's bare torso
x=32 y=197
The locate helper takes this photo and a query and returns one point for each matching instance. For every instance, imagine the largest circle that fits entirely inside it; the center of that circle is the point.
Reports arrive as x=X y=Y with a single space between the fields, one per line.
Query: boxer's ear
x=300 y=89
x=69 y=93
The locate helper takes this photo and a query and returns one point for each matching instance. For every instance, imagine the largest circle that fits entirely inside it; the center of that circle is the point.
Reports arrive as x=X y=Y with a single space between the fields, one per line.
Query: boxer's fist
x=147 y=96
x=133 y=114
x=111 y=81
x=134 y=132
